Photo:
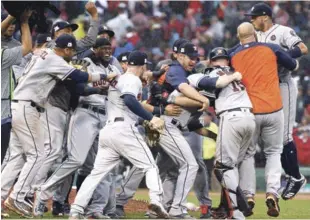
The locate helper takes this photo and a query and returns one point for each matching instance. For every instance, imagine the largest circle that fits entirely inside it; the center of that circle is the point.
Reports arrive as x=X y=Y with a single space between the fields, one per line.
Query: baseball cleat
x=159 y=210
x=119 y=211
x=182 y=216
x=38 y=208
x=4 y=213
x=18 y=207
x=273 y=205
x=205 y=212
x=251 y=204
x=58 y=209
x=76 y=215
x=292 y=187
x=66 y=208
x=97 y=215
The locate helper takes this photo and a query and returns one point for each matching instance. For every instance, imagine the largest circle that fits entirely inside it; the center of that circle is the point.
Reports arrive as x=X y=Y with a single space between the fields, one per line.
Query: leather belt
x=32 y=104
x=177 y=124
x=93 y=108
x=236 y=110
x=119 y=119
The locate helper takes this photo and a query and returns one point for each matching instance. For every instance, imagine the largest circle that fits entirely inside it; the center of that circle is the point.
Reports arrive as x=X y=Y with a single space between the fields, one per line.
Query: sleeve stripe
x=67 y=74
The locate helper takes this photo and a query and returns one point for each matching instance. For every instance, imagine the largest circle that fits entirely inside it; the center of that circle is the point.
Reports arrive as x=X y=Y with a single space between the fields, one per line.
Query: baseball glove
x=152 y=135
x=80 y=64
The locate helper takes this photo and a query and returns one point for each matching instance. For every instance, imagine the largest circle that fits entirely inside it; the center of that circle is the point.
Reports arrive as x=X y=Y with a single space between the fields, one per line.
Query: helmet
x=218 y=52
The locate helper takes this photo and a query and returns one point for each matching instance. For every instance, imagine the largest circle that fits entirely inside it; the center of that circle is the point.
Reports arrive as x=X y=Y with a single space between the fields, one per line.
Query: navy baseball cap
x=100 y=42
x=105 y=29
x=260 y=9
x=217 y=53
x=43 y=38
x=177 y=44
x=137 y=58
x=62 y=25
x=189 y=49
x=123 y=57
x=66 y=41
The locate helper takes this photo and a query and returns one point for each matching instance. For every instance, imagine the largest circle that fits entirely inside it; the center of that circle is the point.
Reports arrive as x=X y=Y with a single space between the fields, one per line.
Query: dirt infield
x=133 y=205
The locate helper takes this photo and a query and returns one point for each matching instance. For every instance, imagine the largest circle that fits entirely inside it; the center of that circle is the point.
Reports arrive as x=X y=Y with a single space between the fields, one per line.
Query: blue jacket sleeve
x=283 y=57
x=176 y=76
x=78 y=76
x=83 y=89
x=207 y=83
x=132 y=103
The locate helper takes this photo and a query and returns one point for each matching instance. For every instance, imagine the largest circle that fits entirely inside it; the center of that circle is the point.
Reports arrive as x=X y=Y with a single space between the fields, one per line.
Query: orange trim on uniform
x=258 y=66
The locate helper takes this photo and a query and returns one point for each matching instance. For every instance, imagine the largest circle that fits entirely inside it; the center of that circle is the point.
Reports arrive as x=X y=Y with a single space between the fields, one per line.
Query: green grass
x=299 y=208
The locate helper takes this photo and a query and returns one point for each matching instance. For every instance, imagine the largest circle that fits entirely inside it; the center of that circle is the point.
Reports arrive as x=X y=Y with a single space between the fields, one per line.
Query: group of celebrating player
x=68 y=92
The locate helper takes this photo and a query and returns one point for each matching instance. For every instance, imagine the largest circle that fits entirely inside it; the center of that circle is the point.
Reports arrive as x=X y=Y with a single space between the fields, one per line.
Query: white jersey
x=127 y=83
x=283 y=36
x=96 y=99
x=234 y=95
x=41 y=75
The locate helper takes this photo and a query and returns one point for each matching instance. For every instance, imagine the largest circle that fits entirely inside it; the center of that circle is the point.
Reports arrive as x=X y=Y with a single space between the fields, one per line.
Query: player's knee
x=220 y=169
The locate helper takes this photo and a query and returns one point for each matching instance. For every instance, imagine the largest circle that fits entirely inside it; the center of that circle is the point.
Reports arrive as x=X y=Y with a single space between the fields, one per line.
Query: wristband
x=156 y=111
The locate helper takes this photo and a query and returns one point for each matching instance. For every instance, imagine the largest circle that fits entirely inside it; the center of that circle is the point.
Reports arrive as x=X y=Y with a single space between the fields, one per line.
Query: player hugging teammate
x=76 y=102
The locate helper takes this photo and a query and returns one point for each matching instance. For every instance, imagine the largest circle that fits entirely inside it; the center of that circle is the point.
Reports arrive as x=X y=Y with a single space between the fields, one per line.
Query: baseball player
x=7 y=40
x=91 y=114
x=30 y=98
x=237 y=126
x=121 y=137
x=257 y=62
x=286 y=38
x=10 y=57
x=123 y=60
x=56 y=116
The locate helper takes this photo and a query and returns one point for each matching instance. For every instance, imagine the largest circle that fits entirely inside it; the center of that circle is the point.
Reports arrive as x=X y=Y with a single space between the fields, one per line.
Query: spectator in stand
x=120 y=23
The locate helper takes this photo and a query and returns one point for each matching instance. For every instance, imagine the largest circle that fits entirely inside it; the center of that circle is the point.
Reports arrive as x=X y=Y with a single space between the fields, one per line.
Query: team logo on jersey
x=273 y=37
x=293 y=33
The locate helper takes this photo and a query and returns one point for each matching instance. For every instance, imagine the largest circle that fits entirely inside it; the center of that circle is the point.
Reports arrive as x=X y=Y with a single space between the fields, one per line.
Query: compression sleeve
x=132 y=103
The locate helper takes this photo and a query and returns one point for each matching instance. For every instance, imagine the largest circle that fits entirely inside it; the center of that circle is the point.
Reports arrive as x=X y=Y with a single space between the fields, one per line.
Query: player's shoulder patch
x=293 y=33
x=273 y=37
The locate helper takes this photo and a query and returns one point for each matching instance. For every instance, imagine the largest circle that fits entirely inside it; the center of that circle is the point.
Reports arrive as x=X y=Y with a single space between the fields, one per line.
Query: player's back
x=283 y=36
x=258 y=65
x=234 y=95
x=122 y=85
x=40 y=76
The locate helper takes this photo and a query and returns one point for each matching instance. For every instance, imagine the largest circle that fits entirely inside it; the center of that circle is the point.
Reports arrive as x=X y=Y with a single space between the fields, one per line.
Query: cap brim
x=73 y=26
x=109 y=32
x=148 y=62
x=193 y=55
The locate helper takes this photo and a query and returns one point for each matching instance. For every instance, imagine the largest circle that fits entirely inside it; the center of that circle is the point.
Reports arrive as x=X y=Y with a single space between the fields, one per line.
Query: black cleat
x=292 y=187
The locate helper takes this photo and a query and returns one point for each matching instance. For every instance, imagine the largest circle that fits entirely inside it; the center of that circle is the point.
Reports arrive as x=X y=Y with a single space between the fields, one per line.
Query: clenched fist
x=91 y=9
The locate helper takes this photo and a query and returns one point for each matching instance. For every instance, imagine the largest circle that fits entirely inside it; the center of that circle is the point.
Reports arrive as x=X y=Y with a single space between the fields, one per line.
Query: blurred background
x=153 y=26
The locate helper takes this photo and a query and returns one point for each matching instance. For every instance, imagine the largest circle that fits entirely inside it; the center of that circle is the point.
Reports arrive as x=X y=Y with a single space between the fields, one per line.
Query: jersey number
x=237 y=86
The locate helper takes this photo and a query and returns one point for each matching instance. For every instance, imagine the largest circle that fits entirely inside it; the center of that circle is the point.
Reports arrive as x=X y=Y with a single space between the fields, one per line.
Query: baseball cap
x=104 y=29
x=62 y=25
x=260 y=9
x=43 y=38
x=123 y=57
x=100 y=42
x=189 y=49
x=218 y=52
x=177 y=44
x=66 y=41
x=137 y=58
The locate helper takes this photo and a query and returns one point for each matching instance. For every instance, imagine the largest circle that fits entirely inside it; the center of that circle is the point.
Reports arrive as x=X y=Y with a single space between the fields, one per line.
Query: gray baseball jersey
x=232 y=96
x=42 y=73
x=9 y=57
x=283 y=36
x=127 y=84
x=97 y=99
